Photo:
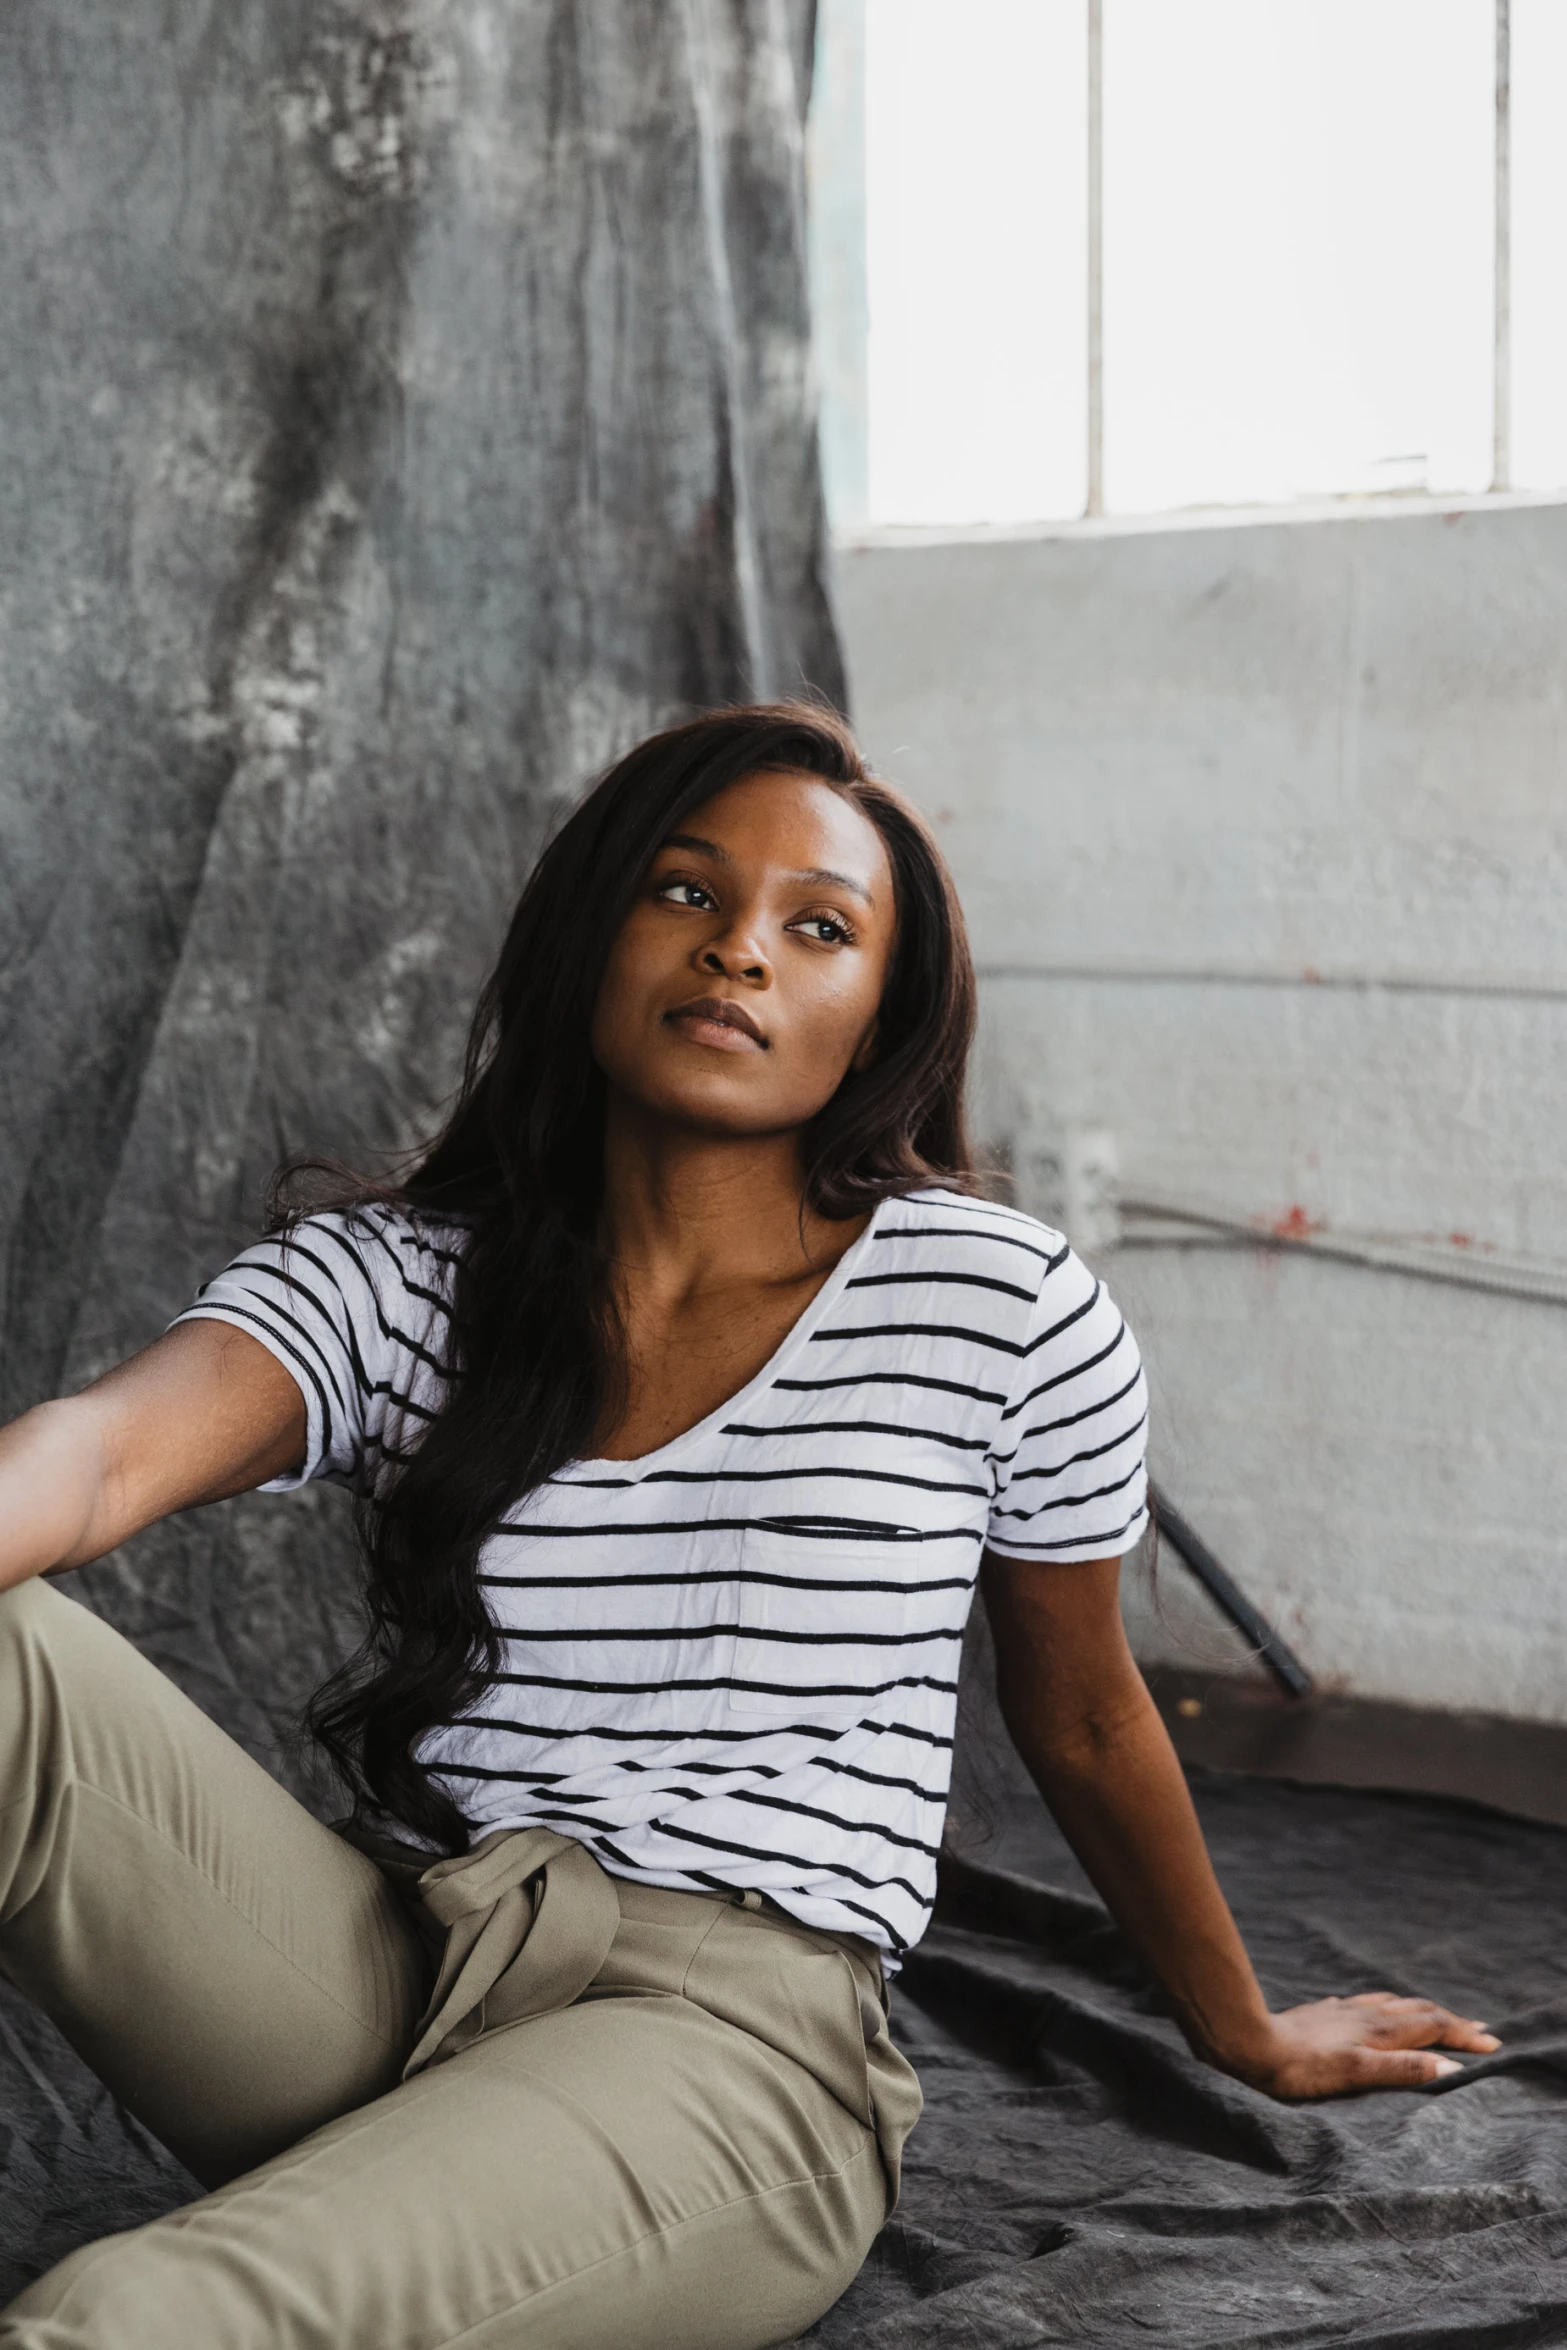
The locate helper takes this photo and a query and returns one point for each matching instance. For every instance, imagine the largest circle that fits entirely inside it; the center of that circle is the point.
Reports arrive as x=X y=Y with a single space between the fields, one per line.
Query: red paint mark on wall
x=1294 y=1225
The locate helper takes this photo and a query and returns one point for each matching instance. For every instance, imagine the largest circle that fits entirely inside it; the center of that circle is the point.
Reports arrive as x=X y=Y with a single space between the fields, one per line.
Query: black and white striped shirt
x=733 y=1663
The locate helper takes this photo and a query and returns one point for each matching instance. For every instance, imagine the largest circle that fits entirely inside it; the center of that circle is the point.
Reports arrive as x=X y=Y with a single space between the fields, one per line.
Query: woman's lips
x=714 y=1020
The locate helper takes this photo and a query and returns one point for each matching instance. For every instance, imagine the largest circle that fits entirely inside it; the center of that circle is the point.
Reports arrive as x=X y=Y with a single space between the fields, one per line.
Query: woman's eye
x=826 y=929
x=687 y=893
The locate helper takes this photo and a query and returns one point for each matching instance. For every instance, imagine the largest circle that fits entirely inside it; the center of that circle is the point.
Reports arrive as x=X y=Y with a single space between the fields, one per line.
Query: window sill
x=1384 y=506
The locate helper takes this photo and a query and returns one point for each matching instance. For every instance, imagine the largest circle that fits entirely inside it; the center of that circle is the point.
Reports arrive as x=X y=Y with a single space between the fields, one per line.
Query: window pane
x=1298 y=248
x=976 y=235
x=1539 y=82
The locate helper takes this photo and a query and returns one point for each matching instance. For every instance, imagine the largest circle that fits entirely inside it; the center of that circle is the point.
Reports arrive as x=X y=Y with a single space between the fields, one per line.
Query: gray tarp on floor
x=1080 y=2179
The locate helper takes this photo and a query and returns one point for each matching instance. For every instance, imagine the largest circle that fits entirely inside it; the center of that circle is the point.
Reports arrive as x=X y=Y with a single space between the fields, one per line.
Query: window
x=1129 y=256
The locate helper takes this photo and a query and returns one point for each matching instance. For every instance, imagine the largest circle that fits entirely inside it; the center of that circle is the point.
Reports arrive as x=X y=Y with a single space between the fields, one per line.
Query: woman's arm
x=204 y=1412
x=1081 y=1717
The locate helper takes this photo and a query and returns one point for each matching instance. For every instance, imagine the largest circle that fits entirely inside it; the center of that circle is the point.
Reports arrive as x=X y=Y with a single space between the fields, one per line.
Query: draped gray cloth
x=405 y=406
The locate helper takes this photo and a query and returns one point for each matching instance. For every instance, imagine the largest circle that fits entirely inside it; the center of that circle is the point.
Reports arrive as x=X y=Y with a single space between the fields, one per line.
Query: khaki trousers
x=505 y=2100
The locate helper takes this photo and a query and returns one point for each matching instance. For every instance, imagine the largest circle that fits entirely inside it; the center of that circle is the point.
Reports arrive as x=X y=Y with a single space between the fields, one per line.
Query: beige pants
x=513 y=2101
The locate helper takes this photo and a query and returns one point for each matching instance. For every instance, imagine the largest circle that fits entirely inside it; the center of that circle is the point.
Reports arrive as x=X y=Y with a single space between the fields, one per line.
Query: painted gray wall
x=1262 y=831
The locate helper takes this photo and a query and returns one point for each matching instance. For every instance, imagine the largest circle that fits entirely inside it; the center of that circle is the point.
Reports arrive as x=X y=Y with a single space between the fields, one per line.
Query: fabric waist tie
x=528 y=1921
x=529 y=1918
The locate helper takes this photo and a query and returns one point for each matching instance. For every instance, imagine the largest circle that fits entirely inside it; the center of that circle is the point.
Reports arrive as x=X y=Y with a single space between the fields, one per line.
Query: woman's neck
x=714 y=1261
x=686 y=1213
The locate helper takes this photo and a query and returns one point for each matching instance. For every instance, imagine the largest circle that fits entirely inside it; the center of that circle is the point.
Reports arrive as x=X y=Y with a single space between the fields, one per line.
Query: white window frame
x=837 y=178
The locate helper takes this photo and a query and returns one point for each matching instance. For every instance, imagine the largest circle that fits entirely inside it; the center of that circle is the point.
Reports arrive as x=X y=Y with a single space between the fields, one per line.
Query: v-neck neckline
x=798 y=1335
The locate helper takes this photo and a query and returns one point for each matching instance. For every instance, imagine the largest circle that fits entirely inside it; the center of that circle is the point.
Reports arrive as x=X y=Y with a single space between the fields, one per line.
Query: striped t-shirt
x=733 y=1662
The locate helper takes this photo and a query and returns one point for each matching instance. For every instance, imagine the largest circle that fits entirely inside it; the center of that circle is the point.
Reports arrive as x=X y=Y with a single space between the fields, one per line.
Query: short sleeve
x=1069 y=1456
x=354 y=1308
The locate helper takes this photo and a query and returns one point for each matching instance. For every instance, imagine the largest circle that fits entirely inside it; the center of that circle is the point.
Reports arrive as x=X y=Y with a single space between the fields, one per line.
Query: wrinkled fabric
x=1078 y=2177
x=405 y=407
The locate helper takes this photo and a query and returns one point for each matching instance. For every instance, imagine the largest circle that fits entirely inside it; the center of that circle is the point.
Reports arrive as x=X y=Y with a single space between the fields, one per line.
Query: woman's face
x=745 y=980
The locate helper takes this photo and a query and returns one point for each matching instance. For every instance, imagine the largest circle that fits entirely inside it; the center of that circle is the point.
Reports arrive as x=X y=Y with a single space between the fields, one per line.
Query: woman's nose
x=736 y=955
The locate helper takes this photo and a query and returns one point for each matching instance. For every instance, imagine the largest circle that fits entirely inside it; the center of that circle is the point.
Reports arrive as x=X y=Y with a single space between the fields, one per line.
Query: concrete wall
x=1262 y=831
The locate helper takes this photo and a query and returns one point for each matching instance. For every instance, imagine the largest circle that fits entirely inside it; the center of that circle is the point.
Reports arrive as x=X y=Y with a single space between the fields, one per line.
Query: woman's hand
x=1374 y=2041
x=1088 y=1730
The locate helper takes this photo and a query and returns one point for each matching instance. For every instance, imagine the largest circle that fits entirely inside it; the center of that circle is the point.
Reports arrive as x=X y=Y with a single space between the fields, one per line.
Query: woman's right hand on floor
x=1375 y=2040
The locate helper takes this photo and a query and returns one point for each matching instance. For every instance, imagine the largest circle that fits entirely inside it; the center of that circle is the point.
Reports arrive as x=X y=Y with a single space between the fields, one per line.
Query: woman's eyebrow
x=816 y=873
x=694 y=840
x=833 y=880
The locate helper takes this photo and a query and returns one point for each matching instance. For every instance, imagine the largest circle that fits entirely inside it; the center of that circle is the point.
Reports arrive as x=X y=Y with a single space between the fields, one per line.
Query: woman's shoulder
x=954 y=1235
x=376 y=1247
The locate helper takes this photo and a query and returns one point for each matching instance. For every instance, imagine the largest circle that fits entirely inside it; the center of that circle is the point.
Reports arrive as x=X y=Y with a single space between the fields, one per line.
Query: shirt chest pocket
x=823 y=1625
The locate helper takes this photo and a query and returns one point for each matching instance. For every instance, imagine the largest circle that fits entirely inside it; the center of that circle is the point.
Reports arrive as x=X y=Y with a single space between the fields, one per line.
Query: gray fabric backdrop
x=404 y=407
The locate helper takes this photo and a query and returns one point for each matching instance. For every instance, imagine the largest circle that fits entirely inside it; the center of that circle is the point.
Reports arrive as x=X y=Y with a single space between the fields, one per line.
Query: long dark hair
x=532 y=1350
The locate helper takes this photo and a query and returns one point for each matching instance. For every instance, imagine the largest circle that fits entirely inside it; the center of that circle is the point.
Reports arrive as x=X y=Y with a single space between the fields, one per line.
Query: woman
x=689 y=1388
